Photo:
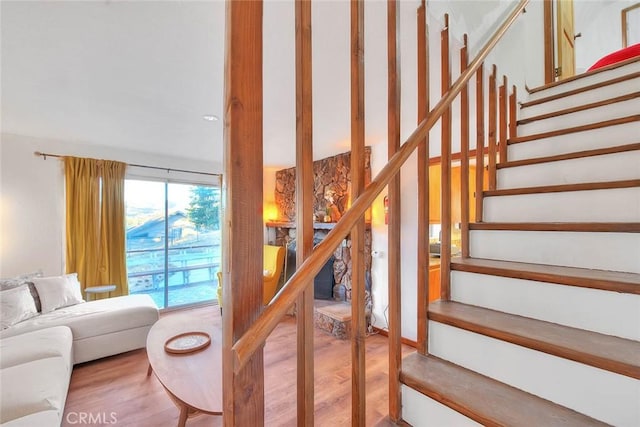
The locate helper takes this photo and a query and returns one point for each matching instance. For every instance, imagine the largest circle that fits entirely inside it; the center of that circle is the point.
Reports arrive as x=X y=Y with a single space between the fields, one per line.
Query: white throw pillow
x=58 y=291
x=16 y=305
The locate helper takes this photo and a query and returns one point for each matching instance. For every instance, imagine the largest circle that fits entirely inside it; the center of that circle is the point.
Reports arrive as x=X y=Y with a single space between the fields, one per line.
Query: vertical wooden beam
x=304 y=208
x=479 y=141
x=358 y=329
x=242 y=195
x=493 y=108
x=445 y=155
x=423 y=182
x=513 y=113
x=548 y=27
x=393 y=144
x=502 y=99
x=464 y=152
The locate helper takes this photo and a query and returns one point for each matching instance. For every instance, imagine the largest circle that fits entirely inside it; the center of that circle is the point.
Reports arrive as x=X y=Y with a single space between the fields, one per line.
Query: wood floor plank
x=602 y=351
x=596 y=279
x=119 y=384
x=483 y=399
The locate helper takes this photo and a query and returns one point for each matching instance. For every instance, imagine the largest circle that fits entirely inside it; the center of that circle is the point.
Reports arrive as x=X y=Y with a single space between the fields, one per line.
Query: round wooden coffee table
x=192 y=380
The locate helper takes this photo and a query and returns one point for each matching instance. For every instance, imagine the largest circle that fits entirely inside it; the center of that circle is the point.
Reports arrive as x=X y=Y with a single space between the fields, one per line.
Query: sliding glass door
x=173 y=241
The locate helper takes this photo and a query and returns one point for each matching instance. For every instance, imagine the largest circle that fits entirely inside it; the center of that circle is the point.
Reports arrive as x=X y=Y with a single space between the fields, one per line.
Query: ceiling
x=141 y=76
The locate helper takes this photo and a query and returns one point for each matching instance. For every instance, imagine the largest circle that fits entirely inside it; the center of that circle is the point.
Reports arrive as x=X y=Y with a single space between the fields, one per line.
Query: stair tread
x=574 y=129
x=584 y=186
x=570 y=156
x=575 y=109
x=581 y=89
x=584 y=75
x=615 y=281
x=594 y=227
x=484 y=399
x=606 y=352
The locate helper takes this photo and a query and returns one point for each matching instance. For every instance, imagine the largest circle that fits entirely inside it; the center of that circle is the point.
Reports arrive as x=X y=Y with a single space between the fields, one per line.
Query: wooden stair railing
x=255 y=336
x=242 y=351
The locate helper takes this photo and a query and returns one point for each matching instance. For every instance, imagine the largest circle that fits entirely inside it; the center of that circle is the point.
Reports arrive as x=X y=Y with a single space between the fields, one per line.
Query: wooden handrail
x=256 y=335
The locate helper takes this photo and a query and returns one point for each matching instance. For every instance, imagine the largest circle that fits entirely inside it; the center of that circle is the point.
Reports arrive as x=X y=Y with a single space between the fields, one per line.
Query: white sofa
x=100 y=328
x=37 y=354
x=35 y=369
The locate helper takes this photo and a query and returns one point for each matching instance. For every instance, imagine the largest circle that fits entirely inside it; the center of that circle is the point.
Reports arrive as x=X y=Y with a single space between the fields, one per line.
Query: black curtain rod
x=58 y=156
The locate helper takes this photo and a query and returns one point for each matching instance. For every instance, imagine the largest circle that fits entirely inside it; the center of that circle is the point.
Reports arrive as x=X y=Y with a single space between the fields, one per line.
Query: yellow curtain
x=113 y=262
x=95 y=226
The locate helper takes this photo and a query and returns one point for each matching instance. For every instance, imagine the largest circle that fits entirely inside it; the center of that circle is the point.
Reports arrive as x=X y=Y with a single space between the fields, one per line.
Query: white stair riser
x=421 y=411
x=600 y=394
x=610 y=136
x=581 y=118
x=613 y=205
x=582 y=98
x=600 y=251
x=610 y=313
x=609 y=167
x=587 y=81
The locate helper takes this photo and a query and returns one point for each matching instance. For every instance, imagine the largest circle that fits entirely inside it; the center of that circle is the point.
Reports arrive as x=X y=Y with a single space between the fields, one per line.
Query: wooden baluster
x=464 y=153
x=304 y=209
x=503 y=120
x=492 y=129
x=423 y=182
x=445 y=180
x=358 y=328
x=479 y=141
x=513 y=113
x=243 y=388
x=395 y=303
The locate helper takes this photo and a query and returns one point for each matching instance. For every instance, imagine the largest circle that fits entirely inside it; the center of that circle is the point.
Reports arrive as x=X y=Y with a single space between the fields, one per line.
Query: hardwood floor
x=116 y=390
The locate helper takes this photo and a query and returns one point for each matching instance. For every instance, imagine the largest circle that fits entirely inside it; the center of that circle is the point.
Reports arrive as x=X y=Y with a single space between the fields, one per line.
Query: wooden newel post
x=242 y=210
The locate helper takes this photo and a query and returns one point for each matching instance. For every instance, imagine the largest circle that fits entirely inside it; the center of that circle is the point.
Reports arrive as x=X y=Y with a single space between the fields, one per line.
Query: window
x=173 y=241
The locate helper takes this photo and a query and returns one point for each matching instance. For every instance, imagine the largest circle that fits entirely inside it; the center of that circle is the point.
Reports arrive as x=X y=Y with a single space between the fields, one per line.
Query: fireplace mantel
x=316 y=225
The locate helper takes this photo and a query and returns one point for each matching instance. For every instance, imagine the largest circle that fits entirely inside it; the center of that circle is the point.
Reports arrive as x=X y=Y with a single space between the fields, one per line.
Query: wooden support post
x=393 y=232
x=513 y=113
x=503 y=120
x=492 y=129
x=464 y=153
x=242 y=198
x=445 y=193
x=304 y=208
x=423 y=182
x=358 y=328
x=479 y=141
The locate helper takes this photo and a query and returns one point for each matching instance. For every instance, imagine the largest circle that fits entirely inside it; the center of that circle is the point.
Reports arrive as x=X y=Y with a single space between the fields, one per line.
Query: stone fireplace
x=332 y=185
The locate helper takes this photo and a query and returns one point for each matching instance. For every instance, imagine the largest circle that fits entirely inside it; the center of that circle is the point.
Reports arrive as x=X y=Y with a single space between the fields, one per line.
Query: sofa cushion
x=16 y=305
x=95 y=317
x=58 y=291
x=42 y=418
x=13 y=282
x=40 y=385
x=35 y=345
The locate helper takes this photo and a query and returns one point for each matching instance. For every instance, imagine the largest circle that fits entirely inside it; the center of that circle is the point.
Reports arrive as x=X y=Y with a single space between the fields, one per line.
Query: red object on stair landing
x=617 y=56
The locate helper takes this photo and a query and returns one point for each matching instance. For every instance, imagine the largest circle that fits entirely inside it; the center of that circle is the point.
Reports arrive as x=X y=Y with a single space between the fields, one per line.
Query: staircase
x=543 y=326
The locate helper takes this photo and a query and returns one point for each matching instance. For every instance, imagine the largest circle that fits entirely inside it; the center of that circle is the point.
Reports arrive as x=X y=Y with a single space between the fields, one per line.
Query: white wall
x=32 y=197
x=601 y=26
x=519 y=55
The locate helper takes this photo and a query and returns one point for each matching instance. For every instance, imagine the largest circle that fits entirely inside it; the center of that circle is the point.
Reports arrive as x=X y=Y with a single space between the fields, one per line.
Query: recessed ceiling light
x=210 y=117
